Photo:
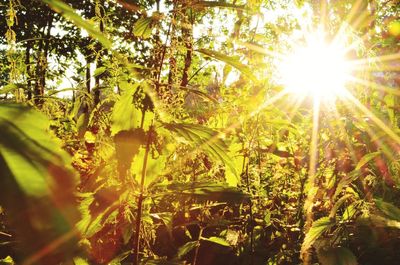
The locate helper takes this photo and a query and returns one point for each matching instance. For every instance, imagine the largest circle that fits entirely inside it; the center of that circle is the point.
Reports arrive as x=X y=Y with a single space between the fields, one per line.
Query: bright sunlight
x=316 y=68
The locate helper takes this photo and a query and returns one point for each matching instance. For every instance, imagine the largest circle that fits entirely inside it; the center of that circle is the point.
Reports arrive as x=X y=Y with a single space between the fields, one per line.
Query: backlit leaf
x=317 y=229
x=217 y=240
x=70 y=14
x=229 y=60
x=204 y=138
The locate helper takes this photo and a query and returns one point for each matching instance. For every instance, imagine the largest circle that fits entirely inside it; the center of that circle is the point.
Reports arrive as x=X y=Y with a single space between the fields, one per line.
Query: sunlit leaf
x=202 y=4
x=365 y=159
x=390 y=210
x=185 y=249
x=229 y=60
x=217 y=240
x=143 y=27
x=99 y=71
x=208 y=191
x=125 y=115
x=70 y=14
x=317 y=229
x=80 y=261
x=97 y=209
x=37 y=183
x=204 y=138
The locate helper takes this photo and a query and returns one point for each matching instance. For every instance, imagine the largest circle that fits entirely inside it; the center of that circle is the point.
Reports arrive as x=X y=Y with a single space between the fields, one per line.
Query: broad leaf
x=204 y=138
x=70 y=14
x=365 y=159
x=125 y=115
x=208 y=191
x=185 y=249
x=143 y=27
x=36 y=177
x=97 y=209
x=336 y=256
x=202 y=4
x=390 y=210
x=217 y=240
x=229 y=60
x=316 y=230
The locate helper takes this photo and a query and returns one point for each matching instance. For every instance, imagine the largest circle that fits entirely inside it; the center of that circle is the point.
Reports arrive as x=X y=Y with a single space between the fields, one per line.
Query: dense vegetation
x=157 y=132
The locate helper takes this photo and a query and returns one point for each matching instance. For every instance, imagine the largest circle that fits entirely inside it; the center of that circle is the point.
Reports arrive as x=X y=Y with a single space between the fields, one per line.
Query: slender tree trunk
x=41 y=61
x=88 y=77
x=136 y=240
x=28 y=69
x=99 y=61
x=39 y=56
x=187 y=34
x=46 y=53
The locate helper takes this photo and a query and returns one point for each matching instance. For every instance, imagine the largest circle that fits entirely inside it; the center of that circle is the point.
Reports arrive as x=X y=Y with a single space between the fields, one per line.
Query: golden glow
x=316 y=68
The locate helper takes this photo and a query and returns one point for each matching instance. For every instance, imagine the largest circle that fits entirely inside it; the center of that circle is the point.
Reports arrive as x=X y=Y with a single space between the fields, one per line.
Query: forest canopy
x=199 y=132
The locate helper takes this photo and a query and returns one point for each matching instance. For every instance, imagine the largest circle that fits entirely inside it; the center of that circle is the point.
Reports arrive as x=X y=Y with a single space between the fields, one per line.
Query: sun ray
x=52 y=246
x=347 y=138
x=376 y=59
x=374 y=85
x=374 y=118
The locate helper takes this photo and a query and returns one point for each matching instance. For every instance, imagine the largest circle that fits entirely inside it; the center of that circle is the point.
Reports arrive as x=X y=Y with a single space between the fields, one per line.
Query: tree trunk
x=99 y=61
x=187 y=34
x=28 y=69
x=46 y=53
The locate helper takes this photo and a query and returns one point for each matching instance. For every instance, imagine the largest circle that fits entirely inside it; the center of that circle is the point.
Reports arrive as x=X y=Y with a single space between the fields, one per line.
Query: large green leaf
x=143 y=27
x=207 y=191
x=336 y=256
x=97 y=209
x=316 y=230
x=125 y=115
x=229 y=60
x=390 y=210
x=204 y=138
x=365 y=159
x=37 y=184
x=70 y=14
x=202 y=4
x=185 y=249
x=217 y=240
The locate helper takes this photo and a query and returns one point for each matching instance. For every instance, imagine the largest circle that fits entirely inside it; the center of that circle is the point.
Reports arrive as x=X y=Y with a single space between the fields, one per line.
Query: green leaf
x=70 y=14
x=204 y=138
x=336 y=256
x=8 y=88
x=37 y=183
x=7 y=260
x=365 y=159
x=202 y=4
x=97 y=209
x=229 y=60
x=99 y=71
x=32 y=155
x=390 y=210
x=208 y=191
x=185 y=249
x=80 y=261
x=155 y=167
x=125 y=115
x=217 y=240
x=143 y=27
x=316 y=230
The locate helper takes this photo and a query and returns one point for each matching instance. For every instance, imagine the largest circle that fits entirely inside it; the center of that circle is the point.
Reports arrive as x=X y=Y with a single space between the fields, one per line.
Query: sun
x=316 y=68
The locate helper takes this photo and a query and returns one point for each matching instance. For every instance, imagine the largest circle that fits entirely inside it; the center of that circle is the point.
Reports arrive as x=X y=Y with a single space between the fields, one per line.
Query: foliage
x=175 y=142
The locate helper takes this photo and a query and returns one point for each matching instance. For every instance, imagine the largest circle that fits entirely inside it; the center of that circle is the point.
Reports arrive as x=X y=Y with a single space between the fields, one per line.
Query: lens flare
x=316 y=68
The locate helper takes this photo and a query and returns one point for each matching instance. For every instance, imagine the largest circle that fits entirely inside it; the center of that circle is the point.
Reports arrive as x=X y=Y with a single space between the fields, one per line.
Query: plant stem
x=196 y=253
x=140 y=201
